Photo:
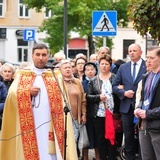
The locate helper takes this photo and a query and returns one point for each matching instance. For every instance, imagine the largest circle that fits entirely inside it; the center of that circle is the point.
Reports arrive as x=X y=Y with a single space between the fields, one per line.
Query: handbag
x=83 y=137
x=117 y=122
x=109 y=127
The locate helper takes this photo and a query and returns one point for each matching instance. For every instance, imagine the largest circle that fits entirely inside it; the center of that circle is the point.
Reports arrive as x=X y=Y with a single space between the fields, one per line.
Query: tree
x=79 y=18
x=145 y=16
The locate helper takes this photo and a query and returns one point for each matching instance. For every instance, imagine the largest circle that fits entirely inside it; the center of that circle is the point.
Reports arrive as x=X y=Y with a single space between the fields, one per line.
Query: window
x=23 y=10
x=22 y=50
x=3 y=33
x=2 y=8
x=126 y=44
x=73 y=52
x=47 y=13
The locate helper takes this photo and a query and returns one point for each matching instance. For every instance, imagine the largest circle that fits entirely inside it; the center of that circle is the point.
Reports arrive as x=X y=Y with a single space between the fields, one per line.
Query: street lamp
x=65 y=33
x=66 y=110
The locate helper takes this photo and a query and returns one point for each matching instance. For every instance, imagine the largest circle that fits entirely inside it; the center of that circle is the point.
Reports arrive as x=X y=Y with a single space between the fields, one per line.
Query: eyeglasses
x=80 y=63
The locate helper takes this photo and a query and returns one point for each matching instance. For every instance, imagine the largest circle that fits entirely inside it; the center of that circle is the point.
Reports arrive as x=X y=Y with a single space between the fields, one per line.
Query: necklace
x=34 y=100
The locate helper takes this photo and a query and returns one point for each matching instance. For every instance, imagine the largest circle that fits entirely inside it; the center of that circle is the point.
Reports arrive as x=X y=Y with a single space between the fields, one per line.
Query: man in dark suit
x=128 y=75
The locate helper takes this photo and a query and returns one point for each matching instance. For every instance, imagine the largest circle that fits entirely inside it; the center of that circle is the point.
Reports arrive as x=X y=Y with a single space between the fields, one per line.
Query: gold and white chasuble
x=30 y=133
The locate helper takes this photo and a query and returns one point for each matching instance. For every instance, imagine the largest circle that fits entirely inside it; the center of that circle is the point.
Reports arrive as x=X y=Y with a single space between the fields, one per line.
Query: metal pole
x=65 y=52
x=146 y=43
x=104 y=41
x=65 y=28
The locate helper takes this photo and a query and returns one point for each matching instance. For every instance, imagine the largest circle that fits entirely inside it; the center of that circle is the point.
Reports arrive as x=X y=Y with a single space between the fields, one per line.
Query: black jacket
x=93 y=95
x=8 y=83
x=153 y=113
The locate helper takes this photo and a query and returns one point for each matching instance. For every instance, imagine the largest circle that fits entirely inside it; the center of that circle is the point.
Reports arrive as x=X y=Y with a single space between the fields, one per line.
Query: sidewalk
x=92 y=155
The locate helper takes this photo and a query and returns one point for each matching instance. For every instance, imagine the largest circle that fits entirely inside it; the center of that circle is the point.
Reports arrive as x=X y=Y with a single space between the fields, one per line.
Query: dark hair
x=156 y=48
x=107 y=58
x=1 y=62
x=80 y=58
x=55 y=63
x=90 y=64
x=73 y=61
x=119 y=62
x=40 y=46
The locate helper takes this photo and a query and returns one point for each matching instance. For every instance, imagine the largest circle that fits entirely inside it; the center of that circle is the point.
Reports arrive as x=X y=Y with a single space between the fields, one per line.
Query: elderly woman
x=59 y=56
x=74 y=93
x=90 y=70
x=7 y=71
x=100 y=94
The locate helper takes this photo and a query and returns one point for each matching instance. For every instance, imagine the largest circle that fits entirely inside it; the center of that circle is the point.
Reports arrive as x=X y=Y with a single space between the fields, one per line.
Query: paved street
x=92 y=155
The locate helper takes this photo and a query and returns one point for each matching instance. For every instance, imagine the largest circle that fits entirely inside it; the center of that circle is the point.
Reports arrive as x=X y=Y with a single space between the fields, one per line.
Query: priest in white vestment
x=33 y=119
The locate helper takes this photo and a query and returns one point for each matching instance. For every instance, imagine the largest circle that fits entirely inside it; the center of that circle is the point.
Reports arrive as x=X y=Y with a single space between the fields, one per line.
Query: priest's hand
x=34 y=91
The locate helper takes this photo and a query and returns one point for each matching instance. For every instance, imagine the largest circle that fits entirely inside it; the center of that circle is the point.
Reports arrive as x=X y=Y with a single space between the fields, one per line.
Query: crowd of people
x=41 y=108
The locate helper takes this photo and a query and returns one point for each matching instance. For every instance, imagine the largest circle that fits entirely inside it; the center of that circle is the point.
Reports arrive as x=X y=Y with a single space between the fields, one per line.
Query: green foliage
x=99 y=42
x=35 y=4
x=122 y=9
x=145 y=16
x=79 y=17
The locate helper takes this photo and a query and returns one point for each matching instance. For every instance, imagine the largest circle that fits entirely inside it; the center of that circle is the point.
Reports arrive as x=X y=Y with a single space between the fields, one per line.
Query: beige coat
x=76 y=83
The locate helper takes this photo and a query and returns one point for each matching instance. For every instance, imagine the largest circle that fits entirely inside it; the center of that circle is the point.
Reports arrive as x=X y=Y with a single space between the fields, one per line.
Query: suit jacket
x=153 y=113
x=124 y=78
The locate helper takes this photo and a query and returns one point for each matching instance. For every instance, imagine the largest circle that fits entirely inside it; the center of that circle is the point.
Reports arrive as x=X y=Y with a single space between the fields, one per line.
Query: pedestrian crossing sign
x=104 y=23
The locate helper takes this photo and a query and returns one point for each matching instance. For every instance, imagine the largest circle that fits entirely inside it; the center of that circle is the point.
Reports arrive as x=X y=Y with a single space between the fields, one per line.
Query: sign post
x=28 y=34
x=104 y=23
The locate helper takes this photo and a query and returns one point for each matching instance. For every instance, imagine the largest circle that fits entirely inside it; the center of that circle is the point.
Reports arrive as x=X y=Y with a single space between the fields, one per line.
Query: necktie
x=149 y=83
x=134 y=71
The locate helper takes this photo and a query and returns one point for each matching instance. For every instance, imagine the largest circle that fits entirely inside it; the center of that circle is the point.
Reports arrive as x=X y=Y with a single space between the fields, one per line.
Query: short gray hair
x=64 y=61
x=104 y=47
x=7 y=65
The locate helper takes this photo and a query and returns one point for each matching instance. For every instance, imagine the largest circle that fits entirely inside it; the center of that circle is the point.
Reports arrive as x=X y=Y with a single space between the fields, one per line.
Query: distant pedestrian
x=58 y=57
x=93 y=58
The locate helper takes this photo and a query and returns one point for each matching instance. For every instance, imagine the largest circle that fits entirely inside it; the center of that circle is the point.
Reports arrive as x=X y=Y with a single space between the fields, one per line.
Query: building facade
x=14 y=19
x=15 y=47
